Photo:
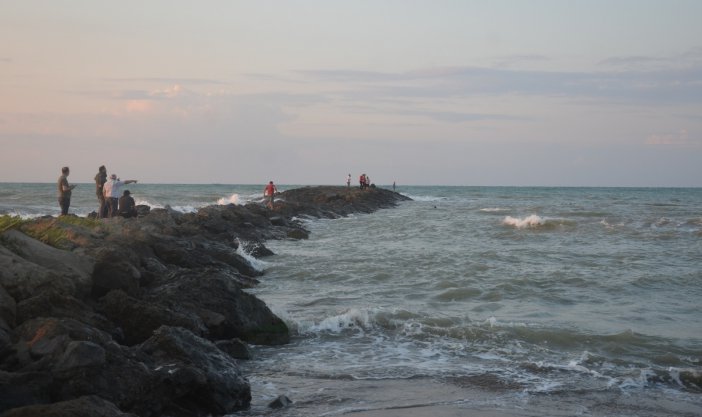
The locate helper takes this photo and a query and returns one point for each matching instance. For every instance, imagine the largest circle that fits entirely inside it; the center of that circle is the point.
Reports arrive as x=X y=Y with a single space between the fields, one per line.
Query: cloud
x=5 y=60
x=683 y=85
x=689 y=59
x=513 y=60
x=164 y=80
x=680 y=138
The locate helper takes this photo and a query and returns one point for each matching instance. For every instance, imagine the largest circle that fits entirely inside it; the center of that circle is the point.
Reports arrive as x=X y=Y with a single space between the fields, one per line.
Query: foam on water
x=232 y=199
x=526 y=222
x=255 y=263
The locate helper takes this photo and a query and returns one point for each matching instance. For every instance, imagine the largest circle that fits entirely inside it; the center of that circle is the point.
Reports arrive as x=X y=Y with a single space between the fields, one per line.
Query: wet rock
x=207 y=378
x=235 y=348
x=245 y=316
x=257 y=249
x=298 y=234
x=281 y=402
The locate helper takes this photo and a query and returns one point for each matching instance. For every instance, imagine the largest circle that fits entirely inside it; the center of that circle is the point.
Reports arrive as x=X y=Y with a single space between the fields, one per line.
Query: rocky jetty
x=145 y=316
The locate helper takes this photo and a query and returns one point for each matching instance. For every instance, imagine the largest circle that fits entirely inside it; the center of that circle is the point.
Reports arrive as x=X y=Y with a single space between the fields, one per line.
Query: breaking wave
x=535 y=222
x=232 y=199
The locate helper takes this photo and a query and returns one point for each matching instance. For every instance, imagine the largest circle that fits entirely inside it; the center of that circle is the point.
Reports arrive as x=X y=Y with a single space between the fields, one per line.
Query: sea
x=484 y=301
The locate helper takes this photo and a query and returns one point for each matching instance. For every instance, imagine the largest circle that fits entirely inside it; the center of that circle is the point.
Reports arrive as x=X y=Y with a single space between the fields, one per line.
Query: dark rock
x=51 y=303
x=28 y=266
x=245 y=316
x=24 y=388
x=87 y=406
x=208 y=379
x=42 y=341
x=281 y=402
x=8 y=310
x=298 y=234
x=235 y=348
x=80 y=354
x=142 y=210
x=139 y=319
x=256 y=249
x=113 y=271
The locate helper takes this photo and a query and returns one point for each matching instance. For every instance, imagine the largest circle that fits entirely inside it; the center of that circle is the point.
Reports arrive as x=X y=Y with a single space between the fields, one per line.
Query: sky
x=439 y=92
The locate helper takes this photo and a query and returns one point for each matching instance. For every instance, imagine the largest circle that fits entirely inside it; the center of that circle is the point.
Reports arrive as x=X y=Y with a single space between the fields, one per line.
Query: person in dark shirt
x=127 y=208
x=64 y=191
x=100 y=180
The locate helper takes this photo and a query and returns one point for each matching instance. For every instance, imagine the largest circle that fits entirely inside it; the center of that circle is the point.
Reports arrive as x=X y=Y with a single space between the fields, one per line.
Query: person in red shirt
x=269 y=192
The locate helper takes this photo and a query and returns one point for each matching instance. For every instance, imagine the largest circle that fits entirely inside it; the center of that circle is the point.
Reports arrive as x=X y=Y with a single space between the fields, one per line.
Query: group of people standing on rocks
x=107 y=191
x=108 y=194
x=364 y=181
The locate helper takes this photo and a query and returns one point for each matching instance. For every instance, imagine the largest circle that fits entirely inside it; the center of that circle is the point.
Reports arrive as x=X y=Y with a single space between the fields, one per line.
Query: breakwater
x=145 y=316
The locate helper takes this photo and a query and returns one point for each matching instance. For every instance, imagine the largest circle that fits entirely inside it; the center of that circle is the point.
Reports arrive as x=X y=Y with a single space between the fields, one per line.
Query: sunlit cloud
x=680 y=138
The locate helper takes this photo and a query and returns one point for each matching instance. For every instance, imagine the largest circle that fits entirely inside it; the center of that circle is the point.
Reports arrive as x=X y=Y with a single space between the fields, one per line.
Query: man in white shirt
x=112 y=190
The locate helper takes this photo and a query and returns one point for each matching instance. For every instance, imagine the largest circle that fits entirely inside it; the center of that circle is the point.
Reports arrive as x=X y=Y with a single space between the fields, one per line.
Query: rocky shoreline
x=146 y=316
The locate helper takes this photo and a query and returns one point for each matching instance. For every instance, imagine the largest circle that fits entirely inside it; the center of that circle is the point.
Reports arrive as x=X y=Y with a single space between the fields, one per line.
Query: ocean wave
x=232 y=199
x=425 y=198
x=352 y=319
x=494 y=210
x=255 y=263
x=536 y=222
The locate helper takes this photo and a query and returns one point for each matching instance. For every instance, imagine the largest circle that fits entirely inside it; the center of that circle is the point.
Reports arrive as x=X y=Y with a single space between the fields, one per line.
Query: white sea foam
x=493 y=210
x=424 y=198
x=350 y=319
x=257 y=264
x=529 y=221
x=232 y=199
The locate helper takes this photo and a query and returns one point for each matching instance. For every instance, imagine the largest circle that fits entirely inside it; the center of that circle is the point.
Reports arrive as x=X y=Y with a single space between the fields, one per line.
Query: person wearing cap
x=127 y=208
x=112 y=189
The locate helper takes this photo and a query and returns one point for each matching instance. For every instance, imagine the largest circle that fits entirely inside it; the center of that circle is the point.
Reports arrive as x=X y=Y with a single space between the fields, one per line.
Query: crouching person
x=127 y=208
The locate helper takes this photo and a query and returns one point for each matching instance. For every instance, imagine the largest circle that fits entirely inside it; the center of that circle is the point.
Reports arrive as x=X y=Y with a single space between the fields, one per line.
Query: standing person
x=269 y=192
x=127 y=207
x=348 y=181
x=111 y=190
x=64 y=191
x=393 y=185
x=100 y=180
x=362 y=181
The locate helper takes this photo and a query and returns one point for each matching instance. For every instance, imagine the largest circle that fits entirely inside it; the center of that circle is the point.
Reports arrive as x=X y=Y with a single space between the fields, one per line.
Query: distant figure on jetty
x=269 y=192
x=127 y=207
x=363 y=181
x=348 y=181
x=111 y=191
x=393 y=185
x=100 y=180
x=64 y=191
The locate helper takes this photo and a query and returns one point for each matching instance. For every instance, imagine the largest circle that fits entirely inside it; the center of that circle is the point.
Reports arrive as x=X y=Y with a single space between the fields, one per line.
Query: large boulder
x=206 y=378
x=51 y=303
x=115 y=270
x=138 y=319
x=28 y=266
x=227 y=311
